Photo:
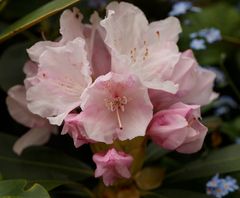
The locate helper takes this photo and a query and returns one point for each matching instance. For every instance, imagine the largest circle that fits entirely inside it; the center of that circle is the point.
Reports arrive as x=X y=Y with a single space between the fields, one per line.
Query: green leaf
x=173 y=193
x=11 y=65
x=35 y=17
x=50 y=184
x=154 y=153
x=39 y=163
x=16 y=188
x=221 y=161
x=177 y=193
x=232 y=128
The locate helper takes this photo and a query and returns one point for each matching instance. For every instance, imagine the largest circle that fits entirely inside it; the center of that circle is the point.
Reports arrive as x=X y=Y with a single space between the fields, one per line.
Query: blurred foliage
x=62 y=170
x=16 y=188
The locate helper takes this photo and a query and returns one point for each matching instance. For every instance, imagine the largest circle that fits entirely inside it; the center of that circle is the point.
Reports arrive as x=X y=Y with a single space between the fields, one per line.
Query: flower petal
x=63 y=74
x=71 y=25
x=34 y=137
x=74 y=127
x=204 y=85
x=17 y=107
x=38 y=48
x=124 y=26
x=156 y=65
x=164 y=30
x=101 y=123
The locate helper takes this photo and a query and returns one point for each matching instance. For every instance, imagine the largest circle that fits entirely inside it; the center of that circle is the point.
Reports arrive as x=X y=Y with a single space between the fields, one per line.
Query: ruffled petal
x=63 y=75
x=105 y=119
x=71 y=25
x=124 y=27
x=164 y=31
x=38 y=48
x=155 y=65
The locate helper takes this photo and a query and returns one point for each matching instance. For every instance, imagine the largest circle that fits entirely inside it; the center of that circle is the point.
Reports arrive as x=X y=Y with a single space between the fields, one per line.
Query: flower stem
x=231 y=39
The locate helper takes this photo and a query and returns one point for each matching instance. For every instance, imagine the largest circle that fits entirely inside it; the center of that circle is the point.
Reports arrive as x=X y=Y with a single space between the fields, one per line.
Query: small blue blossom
x=220 y=111
x=220 y=187
x=237 y=140
x=97 y=3
x=198 y=44
x=193 y=35
x=226 y=101
x=182 y=7
x=212 y=35
x=195 y=9
x=224 y=105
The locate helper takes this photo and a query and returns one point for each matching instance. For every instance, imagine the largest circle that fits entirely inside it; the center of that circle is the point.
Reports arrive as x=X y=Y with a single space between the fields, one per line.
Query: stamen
x=117 y=104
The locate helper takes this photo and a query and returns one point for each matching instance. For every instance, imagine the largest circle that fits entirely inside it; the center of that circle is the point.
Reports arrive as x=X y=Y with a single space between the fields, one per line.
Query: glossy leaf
x=50 y=184
x=173 y=193
x=154 y=153
x=39 y=163
x=17 y=188
x=35 y=17
x=177 y=193
x=221 y=161
x=11 y=65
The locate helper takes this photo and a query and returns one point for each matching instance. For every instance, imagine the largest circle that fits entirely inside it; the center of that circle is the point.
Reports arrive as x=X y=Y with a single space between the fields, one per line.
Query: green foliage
x=224 y=160
x=213 y=16
x=11 y=68
x=44 y=165
x=174 y=193
x=232 y=128
x=35 y=17
x=17 y=188
x=154 y=153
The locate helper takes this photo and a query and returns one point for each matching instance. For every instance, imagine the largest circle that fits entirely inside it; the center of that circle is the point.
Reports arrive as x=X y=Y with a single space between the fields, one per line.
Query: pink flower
x=178 y=128
x=148 y=51
x=112 y=165
x=40 y=131
x=71 y=27
x=115 y=106
x=74 y=127
x=195 y=84
x=64 y=68
x=62 y=76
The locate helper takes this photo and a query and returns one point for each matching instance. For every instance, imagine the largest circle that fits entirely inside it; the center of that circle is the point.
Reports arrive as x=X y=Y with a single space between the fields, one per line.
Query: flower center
x=115 y=105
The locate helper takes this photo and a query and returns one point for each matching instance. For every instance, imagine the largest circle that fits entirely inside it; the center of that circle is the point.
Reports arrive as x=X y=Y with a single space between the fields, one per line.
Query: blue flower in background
x=183 y=7
x=97 y=3
x=237 y=140
x=220 y=187
x=210 y=35
x=224 y=105
x=198 y=44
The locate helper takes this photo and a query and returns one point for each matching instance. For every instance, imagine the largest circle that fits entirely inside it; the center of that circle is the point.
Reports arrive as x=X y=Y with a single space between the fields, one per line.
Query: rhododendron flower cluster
x=111 y=81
